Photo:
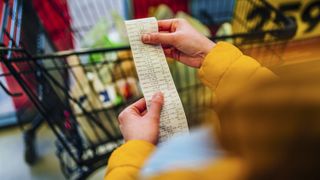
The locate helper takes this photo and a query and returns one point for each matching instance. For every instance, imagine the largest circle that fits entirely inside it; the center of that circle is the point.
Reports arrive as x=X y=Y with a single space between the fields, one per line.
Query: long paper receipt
x=154 y=76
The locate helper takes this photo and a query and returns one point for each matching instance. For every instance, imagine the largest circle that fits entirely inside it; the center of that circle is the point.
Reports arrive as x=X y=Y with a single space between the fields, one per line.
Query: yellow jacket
x=224 y=70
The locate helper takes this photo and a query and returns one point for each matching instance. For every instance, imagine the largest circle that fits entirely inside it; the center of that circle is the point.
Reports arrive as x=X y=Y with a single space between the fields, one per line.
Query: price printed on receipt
x=154 y=75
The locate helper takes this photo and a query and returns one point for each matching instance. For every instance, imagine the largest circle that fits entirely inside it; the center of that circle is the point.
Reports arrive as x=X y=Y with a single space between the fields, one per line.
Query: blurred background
x=67 y=71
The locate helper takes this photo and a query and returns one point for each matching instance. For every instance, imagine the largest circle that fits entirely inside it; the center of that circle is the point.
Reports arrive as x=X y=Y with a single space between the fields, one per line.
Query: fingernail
x=146 y=38
x=157 y=96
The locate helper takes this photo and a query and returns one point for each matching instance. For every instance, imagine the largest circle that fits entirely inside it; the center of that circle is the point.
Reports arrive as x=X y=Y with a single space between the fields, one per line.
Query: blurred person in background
x=269 y=127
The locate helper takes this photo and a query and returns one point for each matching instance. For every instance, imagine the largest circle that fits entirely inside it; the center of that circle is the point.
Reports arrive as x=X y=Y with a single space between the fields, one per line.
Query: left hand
x=136 y=123
x=180 y=41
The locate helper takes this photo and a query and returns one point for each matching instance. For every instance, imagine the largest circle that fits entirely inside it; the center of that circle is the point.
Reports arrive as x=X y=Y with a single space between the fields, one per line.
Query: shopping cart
x=80 y=97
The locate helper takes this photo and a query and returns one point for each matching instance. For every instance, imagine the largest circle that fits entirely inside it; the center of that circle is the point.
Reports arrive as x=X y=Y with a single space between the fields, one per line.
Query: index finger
x=165 y=25
x=139 y=106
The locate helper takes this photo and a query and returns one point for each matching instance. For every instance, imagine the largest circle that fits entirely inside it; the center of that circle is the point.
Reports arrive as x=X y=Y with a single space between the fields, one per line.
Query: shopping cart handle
x=17 y=94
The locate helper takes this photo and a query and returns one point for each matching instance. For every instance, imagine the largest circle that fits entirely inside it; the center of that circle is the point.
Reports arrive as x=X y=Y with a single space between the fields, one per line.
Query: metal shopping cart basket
x=80 y=97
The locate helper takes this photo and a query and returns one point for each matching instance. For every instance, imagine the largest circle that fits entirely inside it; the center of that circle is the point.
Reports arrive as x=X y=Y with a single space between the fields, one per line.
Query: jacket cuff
x=132 y=153
x=217 y=62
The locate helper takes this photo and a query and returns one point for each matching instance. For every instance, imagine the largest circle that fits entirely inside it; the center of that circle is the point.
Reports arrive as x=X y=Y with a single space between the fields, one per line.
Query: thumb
x=156 y=105
x=158 y=38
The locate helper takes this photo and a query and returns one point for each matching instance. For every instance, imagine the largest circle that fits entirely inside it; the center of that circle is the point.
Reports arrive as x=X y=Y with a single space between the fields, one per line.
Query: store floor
x=47 y=167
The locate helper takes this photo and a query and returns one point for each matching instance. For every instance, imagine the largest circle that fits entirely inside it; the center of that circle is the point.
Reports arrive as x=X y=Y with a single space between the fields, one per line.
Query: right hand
x=180 y=41
x=136 y=123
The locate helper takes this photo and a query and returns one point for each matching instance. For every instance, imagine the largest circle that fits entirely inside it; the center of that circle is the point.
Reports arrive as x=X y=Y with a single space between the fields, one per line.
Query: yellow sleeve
x=126 y=161
x=225 y=70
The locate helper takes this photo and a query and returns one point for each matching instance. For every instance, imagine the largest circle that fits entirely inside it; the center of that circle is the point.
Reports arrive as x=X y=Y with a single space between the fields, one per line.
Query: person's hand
x=136 y=123
x=180 y=41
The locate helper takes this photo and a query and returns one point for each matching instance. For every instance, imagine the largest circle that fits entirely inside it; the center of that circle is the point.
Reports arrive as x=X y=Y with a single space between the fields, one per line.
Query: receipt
x=154 y=76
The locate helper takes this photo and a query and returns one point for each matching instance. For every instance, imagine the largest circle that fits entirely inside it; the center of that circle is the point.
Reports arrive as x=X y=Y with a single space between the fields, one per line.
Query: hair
x=275 y=127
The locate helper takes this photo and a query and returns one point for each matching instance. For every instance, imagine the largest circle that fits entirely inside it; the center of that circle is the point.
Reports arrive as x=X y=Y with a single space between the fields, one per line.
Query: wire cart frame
x=80 y=99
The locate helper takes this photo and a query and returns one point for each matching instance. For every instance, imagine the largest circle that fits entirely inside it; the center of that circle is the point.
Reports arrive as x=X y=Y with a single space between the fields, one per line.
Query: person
x=269 y=126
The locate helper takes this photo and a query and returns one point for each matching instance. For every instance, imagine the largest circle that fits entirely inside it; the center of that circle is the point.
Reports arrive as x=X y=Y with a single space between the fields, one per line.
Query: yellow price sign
x=305 y=13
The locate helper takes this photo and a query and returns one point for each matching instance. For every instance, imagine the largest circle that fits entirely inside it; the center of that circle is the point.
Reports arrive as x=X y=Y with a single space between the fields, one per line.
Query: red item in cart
x=55 y=18
x=141 y=7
